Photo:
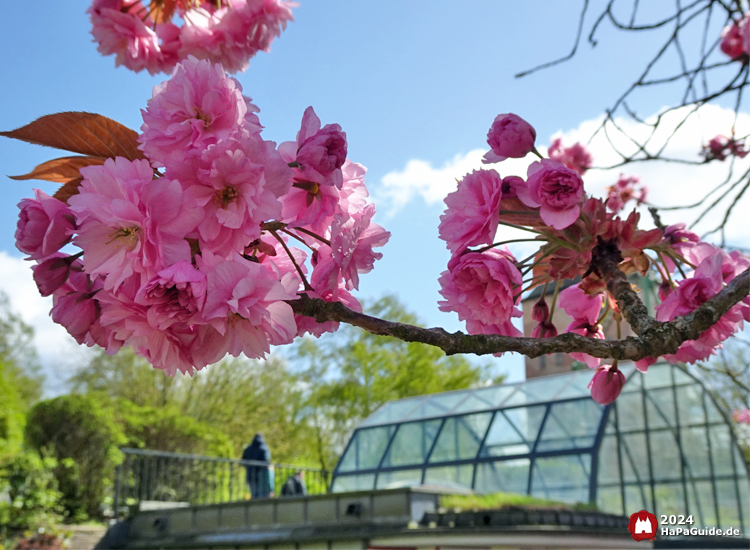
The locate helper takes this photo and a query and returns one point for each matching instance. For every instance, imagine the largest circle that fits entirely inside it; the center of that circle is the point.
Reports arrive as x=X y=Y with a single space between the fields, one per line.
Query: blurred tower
x=562 y=362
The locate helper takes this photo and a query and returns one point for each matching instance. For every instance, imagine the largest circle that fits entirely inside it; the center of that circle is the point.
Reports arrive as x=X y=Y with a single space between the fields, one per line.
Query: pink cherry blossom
x=233 y=34
x=245 y=306
x=581 y=306
x=589 y=330
x=576 y=157
x=482 y=287
x=197 y=107
x=174 y=295
x=44 y=225
x=509 y=186
x=124 y=28
x=76 y=307
x=742 y=416
x=53 y=272
x=626 y=189
x=510 y=136
x=472 y=211
x=606 y=384
x=720 y=147
x=352 y=240
x=731 y=41
x=645 y=363
x=237 y=186
x=321 y=150
x=129 y=222
x=168 y=349
x=556 y=189
x=701 y=285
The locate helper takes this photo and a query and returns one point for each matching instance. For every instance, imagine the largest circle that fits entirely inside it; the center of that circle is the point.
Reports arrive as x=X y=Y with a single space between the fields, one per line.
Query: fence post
x=116 y=503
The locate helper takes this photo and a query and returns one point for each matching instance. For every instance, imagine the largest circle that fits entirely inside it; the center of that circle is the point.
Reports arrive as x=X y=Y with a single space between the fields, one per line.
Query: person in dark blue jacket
x=259 y=477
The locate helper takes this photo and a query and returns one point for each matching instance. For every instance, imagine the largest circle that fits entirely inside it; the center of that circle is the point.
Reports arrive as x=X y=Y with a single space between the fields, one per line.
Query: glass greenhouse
x=663 y=446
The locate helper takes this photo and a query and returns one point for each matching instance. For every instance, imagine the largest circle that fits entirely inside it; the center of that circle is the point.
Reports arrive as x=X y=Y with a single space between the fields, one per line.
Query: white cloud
x=670 y=184
x=420 y=179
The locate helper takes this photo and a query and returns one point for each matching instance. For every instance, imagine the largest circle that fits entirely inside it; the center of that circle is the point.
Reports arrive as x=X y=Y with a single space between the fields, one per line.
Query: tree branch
x=656 y=340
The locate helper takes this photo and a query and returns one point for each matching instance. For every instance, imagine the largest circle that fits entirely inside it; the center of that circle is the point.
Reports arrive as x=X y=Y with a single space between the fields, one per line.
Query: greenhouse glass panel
x=399 y=478
x=681 y=377
x=665 y=456
x=513 y=431
x=485 y=398
x=564 y=478
x=609 y=462
x=658 y=376
x=690 y=405
x=706 y=503
x=361 y=482
x=729 y=513
x=570 y=425
x=412 y=443
x=695 y=448
x=630 y=411
x=393 y=411
x=635 y=457
x=448 y=401
x=720 y=444
x=460 y=437
x=610 y=499
x=366 y=449
x=458 y=476
x=578 y=387
x=712 y=413
x=536 y=390
x=638 y=497
x=670 y=499
x=509 y=476
x=660 y=408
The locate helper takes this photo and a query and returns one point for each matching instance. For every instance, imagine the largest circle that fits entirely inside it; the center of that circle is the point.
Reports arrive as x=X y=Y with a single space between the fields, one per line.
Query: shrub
x=29 y=495
x=81 y=433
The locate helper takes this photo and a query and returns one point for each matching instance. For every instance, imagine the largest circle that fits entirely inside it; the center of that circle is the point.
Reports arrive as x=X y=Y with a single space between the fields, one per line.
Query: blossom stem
x=522 y=228
x=537 y=153
x=666 y=270
x=296 y=266
x=550 y=251
x=606 y=312
x=314 y=235
x=554 y=301
x=485 y=248
x=300 y=239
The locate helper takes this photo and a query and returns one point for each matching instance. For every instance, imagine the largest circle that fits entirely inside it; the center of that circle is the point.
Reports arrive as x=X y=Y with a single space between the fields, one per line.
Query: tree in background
x=306 y=405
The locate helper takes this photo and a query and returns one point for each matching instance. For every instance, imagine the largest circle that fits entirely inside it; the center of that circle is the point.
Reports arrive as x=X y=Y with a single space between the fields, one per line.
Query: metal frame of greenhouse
x=664 y=446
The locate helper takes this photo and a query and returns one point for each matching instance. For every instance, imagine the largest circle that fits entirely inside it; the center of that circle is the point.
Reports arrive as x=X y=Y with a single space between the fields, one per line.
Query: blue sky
x=415 y=85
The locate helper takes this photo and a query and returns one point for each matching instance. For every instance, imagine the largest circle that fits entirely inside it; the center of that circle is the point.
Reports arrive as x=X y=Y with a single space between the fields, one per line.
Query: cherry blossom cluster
x=229 y=32
x=579 y=236
x=742 y=416
x=627 y=188
x=187 y=255
x=720 y=147
x=735 y=39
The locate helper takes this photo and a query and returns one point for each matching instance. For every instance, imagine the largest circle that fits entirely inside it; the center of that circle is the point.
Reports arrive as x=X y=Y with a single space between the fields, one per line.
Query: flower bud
x=606 y=384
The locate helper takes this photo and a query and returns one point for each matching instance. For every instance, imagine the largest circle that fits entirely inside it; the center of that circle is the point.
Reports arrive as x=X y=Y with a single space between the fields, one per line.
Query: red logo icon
x=642 y=526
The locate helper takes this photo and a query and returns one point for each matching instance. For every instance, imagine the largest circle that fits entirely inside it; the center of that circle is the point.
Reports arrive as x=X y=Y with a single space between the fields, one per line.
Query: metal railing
x=159 y=476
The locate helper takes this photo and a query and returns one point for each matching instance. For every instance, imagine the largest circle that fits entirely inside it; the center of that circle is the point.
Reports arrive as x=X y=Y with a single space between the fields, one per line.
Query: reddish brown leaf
x=68 y=190
x=83 y=133
x=162 y=10
x=60 y=170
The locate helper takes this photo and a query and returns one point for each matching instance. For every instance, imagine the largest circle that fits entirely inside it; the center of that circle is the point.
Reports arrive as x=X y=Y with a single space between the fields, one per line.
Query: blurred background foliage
x=58 y=455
